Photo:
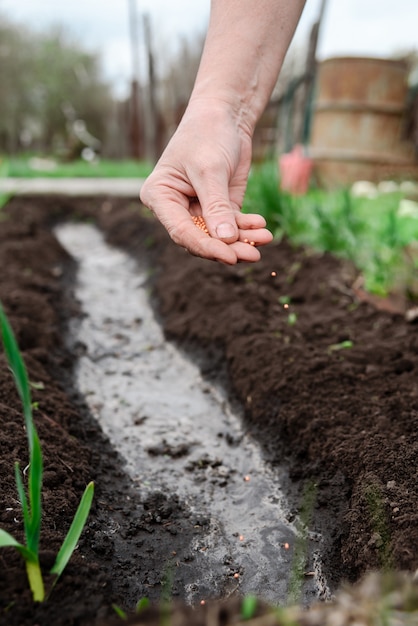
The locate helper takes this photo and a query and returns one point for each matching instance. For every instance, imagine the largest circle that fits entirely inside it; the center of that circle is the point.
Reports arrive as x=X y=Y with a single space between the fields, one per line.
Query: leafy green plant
x=31 y=504
x=278 y=207
x=372 y=233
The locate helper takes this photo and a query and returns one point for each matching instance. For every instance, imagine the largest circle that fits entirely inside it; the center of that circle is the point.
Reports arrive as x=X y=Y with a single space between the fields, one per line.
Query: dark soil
x=345 y=419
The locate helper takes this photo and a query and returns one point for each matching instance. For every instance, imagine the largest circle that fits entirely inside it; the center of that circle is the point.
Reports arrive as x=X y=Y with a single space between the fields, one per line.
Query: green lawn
x=31 y=167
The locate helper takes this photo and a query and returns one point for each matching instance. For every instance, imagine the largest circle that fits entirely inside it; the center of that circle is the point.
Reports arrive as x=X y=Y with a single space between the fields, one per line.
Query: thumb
x=212 y=186
x=220 y=218
x=226 y=229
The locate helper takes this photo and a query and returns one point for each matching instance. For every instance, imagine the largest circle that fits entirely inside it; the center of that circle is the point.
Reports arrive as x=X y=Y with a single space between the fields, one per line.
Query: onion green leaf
x=31 y=503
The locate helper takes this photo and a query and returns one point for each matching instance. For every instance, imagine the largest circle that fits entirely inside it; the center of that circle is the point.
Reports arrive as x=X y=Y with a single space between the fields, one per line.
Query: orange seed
x=200 y=223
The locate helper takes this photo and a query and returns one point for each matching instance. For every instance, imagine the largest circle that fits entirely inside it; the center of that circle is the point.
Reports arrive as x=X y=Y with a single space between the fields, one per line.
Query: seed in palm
x=200 y=223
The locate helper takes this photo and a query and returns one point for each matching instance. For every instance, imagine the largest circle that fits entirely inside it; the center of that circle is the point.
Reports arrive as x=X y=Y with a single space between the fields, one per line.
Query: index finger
x=172 y=210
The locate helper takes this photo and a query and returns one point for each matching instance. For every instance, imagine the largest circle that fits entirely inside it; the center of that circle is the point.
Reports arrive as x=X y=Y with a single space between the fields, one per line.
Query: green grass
x=20 y=167
x=4 y=172
x=31 y=503
x=371 y=232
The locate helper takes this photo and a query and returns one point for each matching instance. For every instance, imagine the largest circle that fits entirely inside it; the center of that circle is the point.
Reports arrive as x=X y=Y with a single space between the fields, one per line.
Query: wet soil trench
x=176 y=431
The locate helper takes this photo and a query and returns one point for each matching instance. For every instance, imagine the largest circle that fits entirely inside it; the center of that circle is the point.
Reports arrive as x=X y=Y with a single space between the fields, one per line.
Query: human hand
x=204 y=172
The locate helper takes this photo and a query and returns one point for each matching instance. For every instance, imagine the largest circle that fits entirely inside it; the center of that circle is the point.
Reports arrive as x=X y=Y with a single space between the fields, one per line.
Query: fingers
x=252 y=229
x=176 y=218
x=214 y=199
x=233 y=236
x=250 y=220
x=245 y=252
x=257 y=237
x=221 y=221
x=174 y=215
x=245 y=248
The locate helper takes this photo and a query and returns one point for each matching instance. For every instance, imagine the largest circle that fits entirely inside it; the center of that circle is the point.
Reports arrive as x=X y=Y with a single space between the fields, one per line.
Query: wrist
x=223 y=101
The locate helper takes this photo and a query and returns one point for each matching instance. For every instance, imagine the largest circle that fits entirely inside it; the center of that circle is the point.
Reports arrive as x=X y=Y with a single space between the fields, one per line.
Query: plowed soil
x=344 y=419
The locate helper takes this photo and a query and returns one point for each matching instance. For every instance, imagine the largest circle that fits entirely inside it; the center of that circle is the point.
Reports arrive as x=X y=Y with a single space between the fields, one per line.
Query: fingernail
x=225 y=230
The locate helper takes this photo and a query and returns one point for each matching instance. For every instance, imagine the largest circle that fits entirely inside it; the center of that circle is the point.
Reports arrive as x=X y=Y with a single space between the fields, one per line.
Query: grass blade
x=31 y=513
x=19 y=372
x=36 y=582
x=35 y=489
x=31 y=510
x=23 y=500
x=33 y=569
x=142 y=604
x=119 y=612
x=75 y=531
x=7 y=541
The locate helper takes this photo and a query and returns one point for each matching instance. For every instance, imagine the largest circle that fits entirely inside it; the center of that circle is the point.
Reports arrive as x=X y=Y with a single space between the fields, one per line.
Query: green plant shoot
x=343 y=345
x=31 y=502
x=292 y=318
x=248 y=607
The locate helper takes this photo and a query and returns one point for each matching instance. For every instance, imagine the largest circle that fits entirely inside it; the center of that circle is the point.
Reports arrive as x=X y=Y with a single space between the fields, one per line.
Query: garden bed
x=328 y=385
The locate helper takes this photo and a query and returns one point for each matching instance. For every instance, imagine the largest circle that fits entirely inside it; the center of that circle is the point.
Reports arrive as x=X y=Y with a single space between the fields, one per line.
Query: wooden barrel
x=358 y=120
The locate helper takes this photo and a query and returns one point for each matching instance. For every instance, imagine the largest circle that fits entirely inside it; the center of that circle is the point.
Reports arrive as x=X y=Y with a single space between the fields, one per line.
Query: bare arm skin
x=204 y=169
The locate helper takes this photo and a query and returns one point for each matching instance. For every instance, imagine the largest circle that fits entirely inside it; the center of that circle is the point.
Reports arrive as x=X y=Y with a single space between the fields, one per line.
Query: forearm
x=204 y=169
x=245 y=47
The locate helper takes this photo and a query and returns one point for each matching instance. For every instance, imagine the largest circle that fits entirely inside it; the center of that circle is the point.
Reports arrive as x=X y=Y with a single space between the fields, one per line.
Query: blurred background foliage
x=375 y=228
x=54 y=99
x=48 y=81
